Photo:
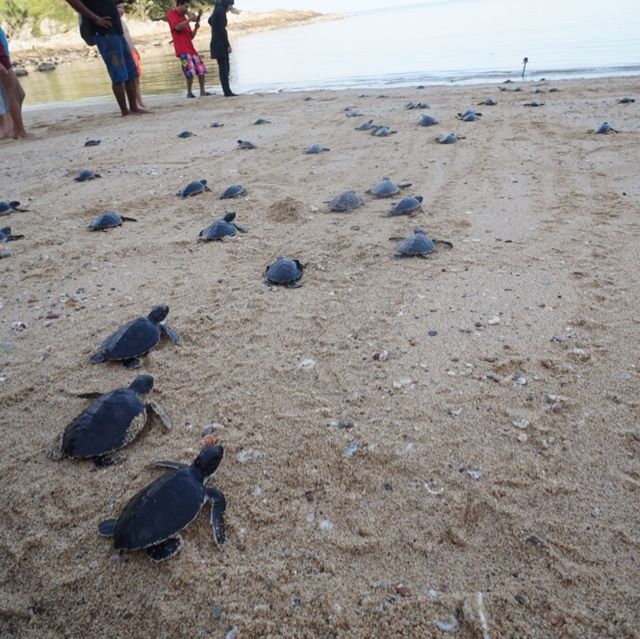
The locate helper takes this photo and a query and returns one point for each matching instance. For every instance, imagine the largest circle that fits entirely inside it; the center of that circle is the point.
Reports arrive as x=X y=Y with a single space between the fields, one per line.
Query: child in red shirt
x=182 y=35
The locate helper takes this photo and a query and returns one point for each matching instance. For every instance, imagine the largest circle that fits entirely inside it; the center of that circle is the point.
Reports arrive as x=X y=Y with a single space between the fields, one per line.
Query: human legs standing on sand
x=192 y=65
x=220 y=47
x=134 y=54
x=223 y=70
x=13 y=94
x=6 y=124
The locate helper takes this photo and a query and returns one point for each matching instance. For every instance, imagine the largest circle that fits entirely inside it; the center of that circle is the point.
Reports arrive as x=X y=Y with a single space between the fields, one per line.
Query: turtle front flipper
x=89 y=394
x=128 y=219
x=241 y=229
x=97 y=358
x=165 y=549
x=444 y=243
x=130 y=363
x=106 y=527
x=218 y=506
x=159 y=411
x=162 y=463
x=173 y=335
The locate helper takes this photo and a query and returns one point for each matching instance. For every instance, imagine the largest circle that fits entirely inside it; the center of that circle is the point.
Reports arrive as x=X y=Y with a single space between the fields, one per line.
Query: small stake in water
x=524 y=65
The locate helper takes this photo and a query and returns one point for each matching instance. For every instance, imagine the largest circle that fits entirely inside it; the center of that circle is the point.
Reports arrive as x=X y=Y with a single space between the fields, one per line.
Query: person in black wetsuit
x=220 y=47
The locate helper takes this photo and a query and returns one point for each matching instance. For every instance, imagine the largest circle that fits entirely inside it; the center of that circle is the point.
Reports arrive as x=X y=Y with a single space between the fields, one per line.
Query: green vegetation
x=17 y=13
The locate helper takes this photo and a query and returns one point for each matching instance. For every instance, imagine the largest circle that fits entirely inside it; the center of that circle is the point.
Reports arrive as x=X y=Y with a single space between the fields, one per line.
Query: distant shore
x=28 y=53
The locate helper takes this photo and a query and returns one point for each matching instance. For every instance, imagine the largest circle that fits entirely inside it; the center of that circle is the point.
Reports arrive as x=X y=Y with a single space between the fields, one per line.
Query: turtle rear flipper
x=165 y=549
x=109 y=459
x=106 y=527
x=131 y=363
x=159 y=411
x=172 y=334
x=218 y=506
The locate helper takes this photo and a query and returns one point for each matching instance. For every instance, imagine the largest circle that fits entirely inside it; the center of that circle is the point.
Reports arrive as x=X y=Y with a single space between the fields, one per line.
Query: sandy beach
x=439 y=447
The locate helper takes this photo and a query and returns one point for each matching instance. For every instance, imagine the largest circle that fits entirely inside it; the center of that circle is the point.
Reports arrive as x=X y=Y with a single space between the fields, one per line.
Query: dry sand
x=452 y=509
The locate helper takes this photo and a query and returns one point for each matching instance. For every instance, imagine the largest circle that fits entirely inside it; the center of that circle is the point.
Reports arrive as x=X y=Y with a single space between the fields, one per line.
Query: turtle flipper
x=128 y=219
x=218 y=506
x=444 y=243
x=12 y=238
x=159 y=411
x=241 y=229
x=97 y=358
x=131 y=363
x=169 y=464
x=294 y=285
x=106 y=527
x=165 y=549
x=173 y=335
x=109 y=459
x=89 y=394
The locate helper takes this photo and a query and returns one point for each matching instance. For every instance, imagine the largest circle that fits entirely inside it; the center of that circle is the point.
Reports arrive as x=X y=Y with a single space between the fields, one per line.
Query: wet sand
x=480 y=482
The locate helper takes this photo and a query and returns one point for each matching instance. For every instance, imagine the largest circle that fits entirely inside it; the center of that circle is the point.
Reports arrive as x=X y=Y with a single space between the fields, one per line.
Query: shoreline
x=412 y=446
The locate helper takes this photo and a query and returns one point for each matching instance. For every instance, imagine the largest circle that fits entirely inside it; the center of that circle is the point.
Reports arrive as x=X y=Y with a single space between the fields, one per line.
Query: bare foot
x=138 y=111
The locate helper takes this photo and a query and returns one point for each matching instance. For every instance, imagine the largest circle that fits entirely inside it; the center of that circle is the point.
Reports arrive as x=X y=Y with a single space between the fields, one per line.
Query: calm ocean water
x=434 y=42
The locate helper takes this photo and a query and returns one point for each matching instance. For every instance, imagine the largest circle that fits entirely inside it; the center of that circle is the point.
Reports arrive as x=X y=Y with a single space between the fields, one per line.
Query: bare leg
x=15 y=96
x=121 y=98
x=201 y=83
x=141 y=106
x=189 y=86
x=6 y=126
x=130 y=88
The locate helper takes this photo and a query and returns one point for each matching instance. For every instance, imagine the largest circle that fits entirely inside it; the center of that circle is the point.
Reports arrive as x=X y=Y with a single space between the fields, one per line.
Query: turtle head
x=142 y=384
x=203 y=182
x=159 y=313
x=419 y=229
x=230 y=216
x=207 y=461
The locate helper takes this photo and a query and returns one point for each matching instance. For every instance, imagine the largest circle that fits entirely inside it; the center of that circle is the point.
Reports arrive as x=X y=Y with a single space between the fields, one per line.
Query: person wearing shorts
x=11 y=124
x=109 y=37
x=182 y=34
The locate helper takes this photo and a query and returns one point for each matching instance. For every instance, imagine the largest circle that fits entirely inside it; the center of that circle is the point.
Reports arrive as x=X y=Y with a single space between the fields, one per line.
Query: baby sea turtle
x=427 y=120
x=235 y=190
x=469 y=116
x=222 y=228
x=262 y=121
x=83 y=176
x=284 y=271
x=6 y=235
x=108 y=220
x=605 y=128
x=152 y=518
x=626 y=100
x=346 y=201
x=193 y=188
x=488 y=102
x=92 y=142
x=406 y=206
x=353 y=114
x=315 y=148
x=215 y=125
x=418 y=245
x=382 y=131
x=537 y=91
x=450 y=138
x=185 y=134
x=135 y=338
x=533 y=103
x=9 y=207
x=365 y=126
x=245 y=144
x=416 y=105
x=387 y=188
x=108 y=424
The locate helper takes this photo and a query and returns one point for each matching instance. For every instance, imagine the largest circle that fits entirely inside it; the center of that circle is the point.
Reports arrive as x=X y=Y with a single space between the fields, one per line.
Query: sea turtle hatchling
x=365 y=126
x=218 y=230
x=245 y=144
x=469 y=115
x=427 y=120
x=153 y=518
x=418 y=245
x=186 y=134
x=416 y=105
x=346 y=201
x=533 y=103
x=108 y=424
x=605 y=128
x=193 y=188
x=235 y=190
x=449 y=138
x=382 y=131
x=215 y=125
x=262 y=121
x=387 y=188
x=92 y=142
x=406 y=206
x=108 y=220
x=315 y=148
x=136 y=338
x=83 y=176
x=488 y=102
x=7 y=236
x=9 y=207
x=284 y=271
x=626 y=100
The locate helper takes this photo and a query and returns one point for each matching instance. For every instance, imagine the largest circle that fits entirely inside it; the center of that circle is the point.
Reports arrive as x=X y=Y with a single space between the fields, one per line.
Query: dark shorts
x=192 y=65
x=117 y=57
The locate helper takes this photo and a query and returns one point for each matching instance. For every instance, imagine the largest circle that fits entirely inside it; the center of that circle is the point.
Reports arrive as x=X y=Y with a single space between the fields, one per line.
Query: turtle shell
x=92 y=142
x=382 y=131
x=131 y=340
x=220 y=228
x=106 y=220
x=245 y=144
x=185 y=134
x=417 y=244
x=86 y=175
x=193 y=188
x=406 y=206
x=315 y=148
x=345 y=202
x=235 y=190
x=365 y=126
x=604 y=128
x=284 y=271
x=385 y=188
x=450 y=138
x=427 y=120
x=105 y=425
x=9 y=207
